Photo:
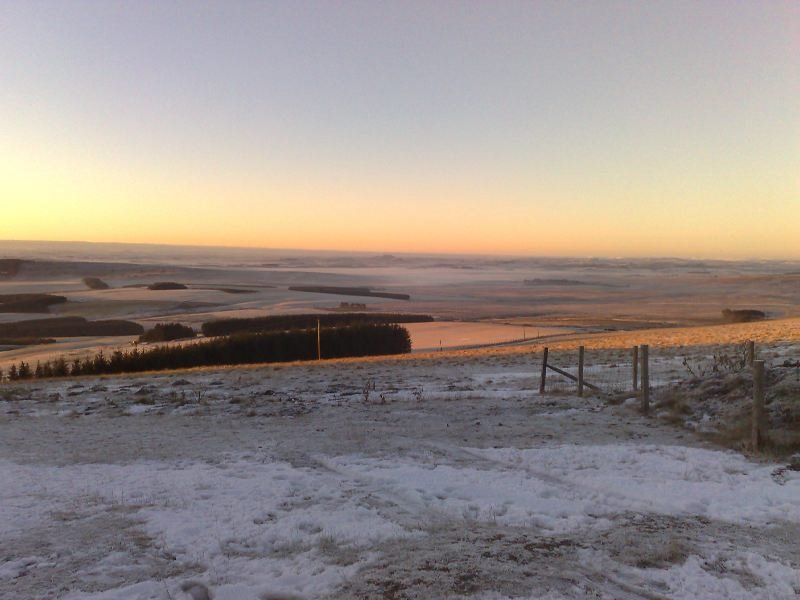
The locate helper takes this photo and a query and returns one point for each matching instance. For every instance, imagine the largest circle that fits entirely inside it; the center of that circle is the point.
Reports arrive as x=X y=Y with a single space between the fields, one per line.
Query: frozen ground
x=426 y=477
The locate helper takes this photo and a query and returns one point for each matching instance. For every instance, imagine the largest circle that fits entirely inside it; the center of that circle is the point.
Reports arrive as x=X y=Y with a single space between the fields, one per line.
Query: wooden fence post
x=751 y=352
x=581 y=353
x=319 y=340
x=635 y=363
x=757 y=434
x=645 y=358
x=544 y=372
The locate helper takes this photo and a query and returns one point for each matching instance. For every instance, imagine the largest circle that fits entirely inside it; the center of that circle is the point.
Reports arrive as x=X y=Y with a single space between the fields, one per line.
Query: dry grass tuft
x=734 y=434
x=648 y=548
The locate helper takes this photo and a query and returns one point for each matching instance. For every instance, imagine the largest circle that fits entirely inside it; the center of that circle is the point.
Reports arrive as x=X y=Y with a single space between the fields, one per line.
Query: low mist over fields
x=620 y=292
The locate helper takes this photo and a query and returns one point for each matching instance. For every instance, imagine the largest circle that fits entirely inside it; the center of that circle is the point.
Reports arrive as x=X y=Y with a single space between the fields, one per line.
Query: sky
x=608 y=128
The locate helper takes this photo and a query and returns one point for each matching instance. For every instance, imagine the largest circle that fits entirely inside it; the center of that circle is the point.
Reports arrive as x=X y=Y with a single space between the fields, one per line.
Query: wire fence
x=748 y=399
x=618 y=372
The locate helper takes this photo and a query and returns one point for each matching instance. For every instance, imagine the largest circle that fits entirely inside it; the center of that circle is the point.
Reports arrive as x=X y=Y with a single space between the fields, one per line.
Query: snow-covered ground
x=426 y=477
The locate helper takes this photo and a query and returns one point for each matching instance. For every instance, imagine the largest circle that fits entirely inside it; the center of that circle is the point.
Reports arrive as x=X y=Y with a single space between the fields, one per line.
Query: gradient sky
x=552 y=128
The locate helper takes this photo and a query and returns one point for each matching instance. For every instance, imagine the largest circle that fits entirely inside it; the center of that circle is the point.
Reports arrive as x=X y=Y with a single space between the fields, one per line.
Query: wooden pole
x=319 y=344
x=645 y=359
x=635 y=363
x=544 y=372
x=751 y=352
x=757 y=434
x=581 y=354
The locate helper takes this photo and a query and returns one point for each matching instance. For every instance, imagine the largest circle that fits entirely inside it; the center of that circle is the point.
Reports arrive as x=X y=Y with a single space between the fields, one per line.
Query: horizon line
x=409 y=253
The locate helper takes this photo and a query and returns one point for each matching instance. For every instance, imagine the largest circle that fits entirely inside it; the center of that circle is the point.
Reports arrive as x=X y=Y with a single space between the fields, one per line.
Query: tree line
x=285 y=346
x=275 y=323
x=166 y=332
x=69 y=327
x=34 y=303
x=347 y=291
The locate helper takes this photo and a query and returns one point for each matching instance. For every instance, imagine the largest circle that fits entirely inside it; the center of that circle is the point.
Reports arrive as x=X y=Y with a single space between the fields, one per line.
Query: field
x=429 y=476
x=438 y=474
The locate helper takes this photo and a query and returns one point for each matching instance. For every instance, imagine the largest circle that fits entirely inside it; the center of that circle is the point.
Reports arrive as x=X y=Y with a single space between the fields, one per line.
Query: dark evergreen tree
x=60 y=368
x=24 y=371
x=47 y=369
x=76 y=367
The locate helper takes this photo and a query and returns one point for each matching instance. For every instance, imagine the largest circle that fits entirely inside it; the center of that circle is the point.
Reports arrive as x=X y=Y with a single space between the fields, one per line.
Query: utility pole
x=319 y=346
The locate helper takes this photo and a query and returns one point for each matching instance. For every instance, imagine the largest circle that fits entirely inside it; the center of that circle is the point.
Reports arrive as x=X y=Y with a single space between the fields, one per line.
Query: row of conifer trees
x=285 y=346
x=290 y=322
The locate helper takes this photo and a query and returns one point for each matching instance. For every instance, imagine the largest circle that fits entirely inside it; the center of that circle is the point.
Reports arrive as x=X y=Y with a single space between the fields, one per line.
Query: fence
x=639 y=373
x=625 y=371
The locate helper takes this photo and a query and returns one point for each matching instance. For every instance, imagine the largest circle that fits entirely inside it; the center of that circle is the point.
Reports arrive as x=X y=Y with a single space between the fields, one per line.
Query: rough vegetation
x=718 y=405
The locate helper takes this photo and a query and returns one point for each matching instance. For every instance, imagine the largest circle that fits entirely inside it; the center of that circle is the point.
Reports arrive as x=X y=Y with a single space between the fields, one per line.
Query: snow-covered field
x=426 y=477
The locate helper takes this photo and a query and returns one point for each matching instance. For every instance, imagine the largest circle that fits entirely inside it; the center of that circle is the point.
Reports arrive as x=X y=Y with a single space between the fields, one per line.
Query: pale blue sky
x=521 y=127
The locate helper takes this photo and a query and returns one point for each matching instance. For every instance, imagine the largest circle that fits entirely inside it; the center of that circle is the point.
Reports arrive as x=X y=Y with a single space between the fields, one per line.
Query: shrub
x=95 y=283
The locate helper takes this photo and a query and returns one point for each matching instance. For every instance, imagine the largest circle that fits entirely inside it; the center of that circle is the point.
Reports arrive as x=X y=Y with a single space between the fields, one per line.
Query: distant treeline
x=357 y=340
x=285 y=322
x=166 y=285
x=29 y=302
x=743 y=316
x=95 y=283
x=68 y=327
x=537 y=282
x=166 y=332
x=347 y=291
x=229 y=290
x=568 y=283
